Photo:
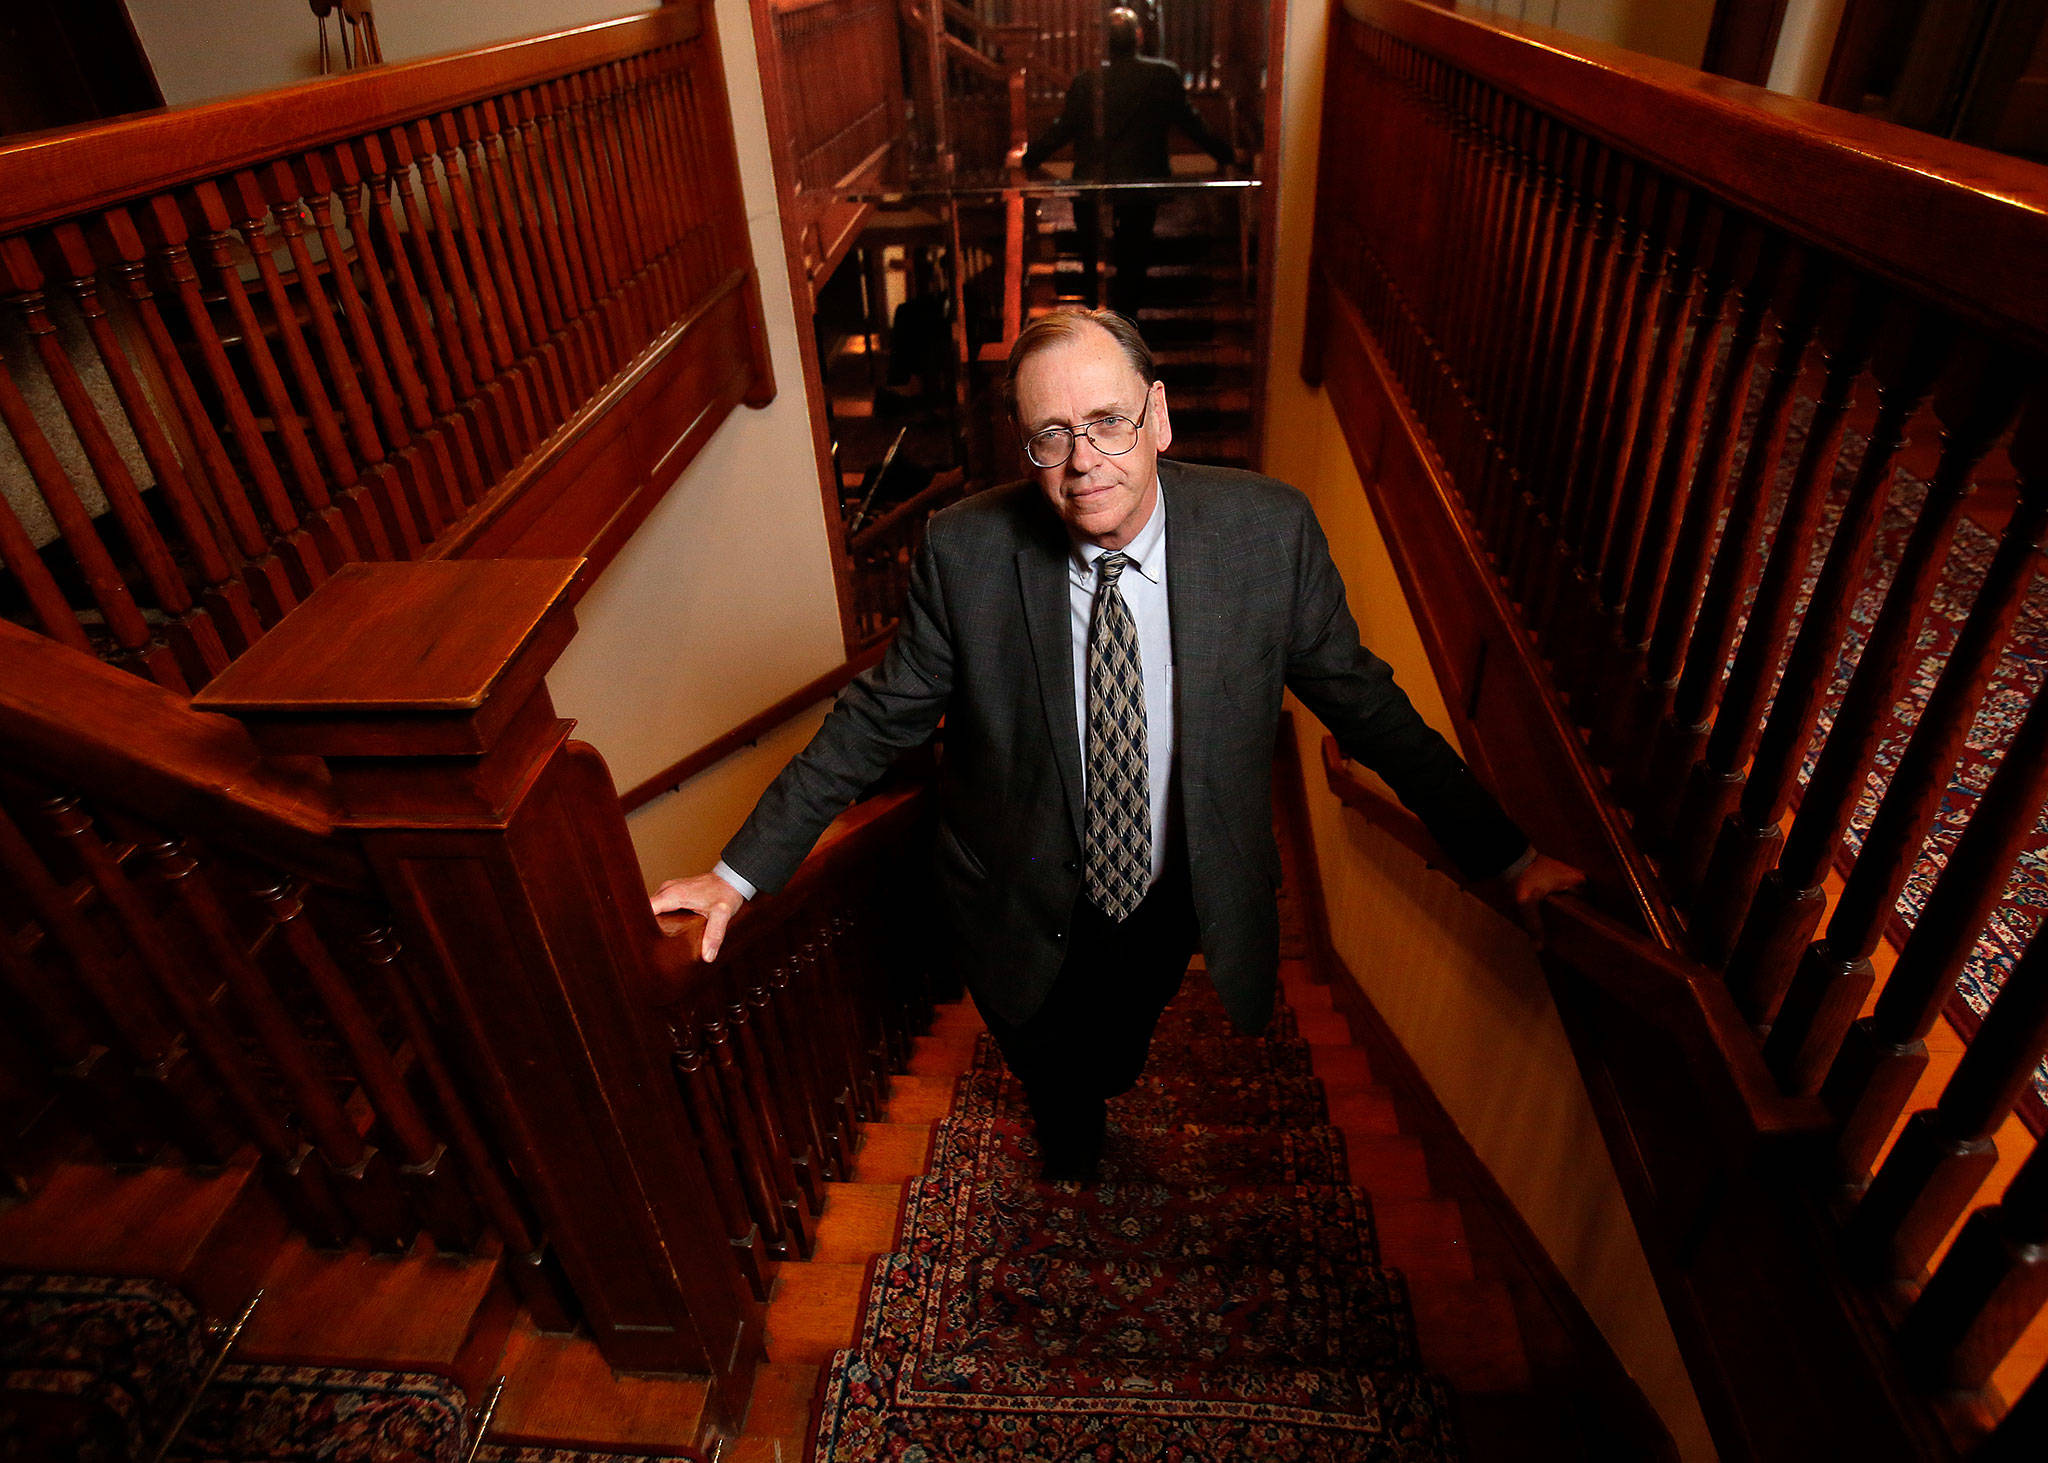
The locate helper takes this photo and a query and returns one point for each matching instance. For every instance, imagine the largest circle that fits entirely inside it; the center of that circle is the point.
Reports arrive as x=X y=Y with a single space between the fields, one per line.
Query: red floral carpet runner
x=1214 y=1297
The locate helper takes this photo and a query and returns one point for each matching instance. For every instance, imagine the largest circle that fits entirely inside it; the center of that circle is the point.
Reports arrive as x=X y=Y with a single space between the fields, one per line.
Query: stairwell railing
x=1637 y=364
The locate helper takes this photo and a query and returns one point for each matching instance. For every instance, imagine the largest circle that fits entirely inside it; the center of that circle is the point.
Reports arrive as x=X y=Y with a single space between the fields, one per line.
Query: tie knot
x=1111 y=566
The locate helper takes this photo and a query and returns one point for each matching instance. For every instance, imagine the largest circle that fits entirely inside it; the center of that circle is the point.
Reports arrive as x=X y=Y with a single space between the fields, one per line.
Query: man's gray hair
x=1056 y=327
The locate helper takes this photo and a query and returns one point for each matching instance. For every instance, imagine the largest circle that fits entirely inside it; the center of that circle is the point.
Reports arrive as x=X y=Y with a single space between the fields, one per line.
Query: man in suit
x=1108 y=642
x=1118 y=116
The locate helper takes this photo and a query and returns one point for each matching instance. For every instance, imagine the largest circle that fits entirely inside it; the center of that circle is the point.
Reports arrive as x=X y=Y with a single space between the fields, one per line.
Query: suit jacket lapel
x=1195 y=598
x=1042 y=581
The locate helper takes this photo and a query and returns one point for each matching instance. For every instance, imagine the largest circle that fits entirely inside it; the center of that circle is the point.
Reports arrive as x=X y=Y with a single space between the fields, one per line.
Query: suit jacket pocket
x=957 y=858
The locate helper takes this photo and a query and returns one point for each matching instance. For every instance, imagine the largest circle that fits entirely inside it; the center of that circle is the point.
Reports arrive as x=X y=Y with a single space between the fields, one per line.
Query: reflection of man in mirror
x=1117 y=116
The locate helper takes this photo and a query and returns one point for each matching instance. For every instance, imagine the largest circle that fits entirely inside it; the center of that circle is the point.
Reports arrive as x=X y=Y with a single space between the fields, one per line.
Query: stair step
x=779 y=1415
x=413 y=1312
x=812 y=1311
x=1388 y=1165
x=1342 y=1068
x=1468 y=1333
x=561 y=1390
x=892 y=1152
x=918 y=1099
x=1518 y=1427
x=859 y=1220
x=208 y=1233
x=1424 y=1239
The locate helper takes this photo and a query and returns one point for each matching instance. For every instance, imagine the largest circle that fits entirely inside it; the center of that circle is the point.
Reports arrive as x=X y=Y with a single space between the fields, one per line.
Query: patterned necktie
x=1119 y=821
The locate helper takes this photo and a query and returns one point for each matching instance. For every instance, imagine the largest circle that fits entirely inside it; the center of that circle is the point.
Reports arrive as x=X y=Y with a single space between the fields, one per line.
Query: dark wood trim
x=1606 y=1396
x=752 y=729
x=1271 y=173
x=58 y=175
x=1742 y=41
x=1955 y=223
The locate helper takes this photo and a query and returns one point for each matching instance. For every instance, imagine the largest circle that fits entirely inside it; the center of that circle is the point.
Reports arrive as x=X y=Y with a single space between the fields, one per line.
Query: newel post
x=422 y=687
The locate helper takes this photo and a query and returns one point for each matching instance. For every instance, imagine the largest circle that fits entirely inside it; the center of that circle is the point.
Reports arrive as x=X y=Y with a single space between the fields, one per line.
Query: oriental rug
x=1216 y=1296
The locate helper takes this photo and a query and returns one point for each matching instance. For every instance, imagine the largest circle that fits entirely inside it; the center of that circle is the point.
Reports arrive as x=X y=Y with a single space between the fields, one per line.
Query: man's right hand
x=705 y=894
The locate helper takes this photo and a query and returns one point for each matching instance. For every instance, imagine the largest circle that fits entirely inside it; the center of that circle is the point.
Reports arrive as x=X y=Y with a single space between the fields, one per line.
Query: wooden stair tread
x=1341 y=1068
x=1388 y=1165
x=1468 y=1333
x=414 y=1312
x=859 y=1220
x=918 y=1099
x=1424 y=1239
x=812 y=1312
x=891 y=1152
x=779 y=1413
x=560 y=1389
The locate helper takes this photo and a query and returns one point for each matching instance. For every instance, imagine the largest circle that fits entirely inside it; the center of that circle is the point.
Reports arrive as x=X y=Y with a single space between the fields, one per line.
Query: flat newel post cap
x=423 y=659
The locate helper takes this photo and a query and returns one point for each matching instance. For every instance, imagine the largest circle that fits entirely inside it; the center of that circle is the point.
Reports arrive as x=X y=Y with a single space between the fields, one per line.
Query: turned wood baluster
x=133 y=644
x=571 y=231
x=490 y=171
x=698 y=196
x=160 y=1065
x=166 y=231
x=1835 y=973
x=485 y=234
x=1506 y=289
x=208 y=214
x=74 y=1060
x=753 y=1078
x=1648 y=709
x=548 y=240
x=1667 y=446
x=1564 y=344
x=38 y=586
x=1571 y=424
x=1975 y=405
x=428 y=1178
x=532 y=1268
x=1722 y=854
x=626 y=198
x=2022 y=1434
x=831 y=1027
x=1987 y=1290
x=741 y=1126
x=691 y=265
x=473 y=297
x=572 y=114
x=1801 y=284
x=785 y=1081
x=700 y=1099
x=829 y=1093
x=228 y=622
x=307 y=183
x=1946 y=1152
x=856 y=961
x=358 y=1172
x=192 y=649
x=1455 y=280
x=657 y=179
x=1658 y=212
x=1519 y=344
x=1884 y=1054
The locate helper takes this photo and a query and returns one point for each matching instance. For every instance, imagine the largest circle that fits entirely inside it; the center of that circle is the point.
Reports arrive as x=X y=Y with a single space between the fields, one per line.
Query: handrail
x=1966 y=226
x=1662 y=986
x=52 y=175
x=67 y=715
x=928 y=499
x=959 y=50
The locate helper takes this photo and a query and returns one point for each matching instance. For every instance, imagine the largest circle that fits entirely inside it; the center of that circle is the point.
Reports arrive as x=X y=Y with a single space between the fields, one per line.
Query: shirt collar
x=1147 y=552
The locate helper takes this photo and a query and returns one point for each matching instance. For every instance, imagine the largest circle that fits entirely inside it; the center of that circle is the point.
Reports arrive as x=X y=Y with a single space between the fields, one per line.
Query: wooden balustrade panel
x=842 y=82
x=368 y=318
x=1753 y=439
x=182 y=1003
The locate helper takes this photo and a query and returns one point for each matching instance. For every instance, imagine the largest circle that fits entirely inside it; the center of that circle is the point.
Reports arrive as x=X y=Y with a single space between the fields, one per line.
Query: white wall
x=1458 y=986
x=1673 y=29
x=1806 y=41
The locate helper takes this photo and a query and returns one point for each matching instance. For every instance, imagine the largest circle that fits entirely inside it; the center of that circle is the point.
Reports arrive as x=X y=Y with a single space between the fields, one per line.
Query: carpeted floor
x=1215 y=1297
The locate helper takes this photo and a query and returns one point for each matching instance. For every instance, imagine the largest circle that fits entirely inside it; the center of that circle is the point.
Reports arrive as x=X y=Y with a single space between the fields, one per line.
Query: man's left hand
x=1543 y=877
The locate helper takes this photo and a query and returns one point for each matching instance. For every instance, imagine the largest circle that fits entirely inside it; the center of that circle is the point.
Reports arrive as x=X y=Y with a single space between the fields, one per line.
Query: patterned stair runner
x=1215 y=1297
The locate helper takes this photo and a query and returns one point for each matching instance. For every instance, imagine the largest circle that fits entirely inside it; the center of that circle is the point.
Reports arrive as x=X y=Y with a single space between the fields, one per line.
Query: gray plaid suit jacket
x=985 y=641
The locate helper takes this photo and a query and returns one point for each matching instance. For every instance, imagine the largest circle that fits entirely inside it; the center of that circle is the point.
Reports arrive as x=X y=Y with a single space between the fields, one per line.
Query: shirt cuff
x=740 y=881
x=1528 y=857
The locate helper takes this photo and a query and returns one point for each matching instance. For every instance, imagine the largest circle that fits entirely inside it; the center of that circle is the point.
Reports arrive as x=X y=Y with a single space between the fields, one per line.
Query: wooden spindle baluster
x=159 y=1065
x=1885 y=1053
x=307 y=182
x=785 y=1019
x=460 y=133
x=428 y=1178
x=533 y=1271
x=1975 y=406
x=836 y=1049
x=1535 y=326
x=830 y=1094
x=1835 y=973
x=858 y=975
x=1987 y=1290
x=1663 y=518
x=1945 y=1152
x=697 y=1083
x=748 y=1063
x=1650 y=706
x=39 y=587
x=167 y=232
x=1801 y=285
x=544 y=245
x=192 y=651
x=651 y=157
x=571 y=112
x=225 y=609
x=741 y=1127
x=77 y=1065
x=294 y=1171
x=359 y=1173
x=209 y=215
x=569 y=229
x=450 y=468
x=133 y=643
x=1570 y=423
x=411 y=232
x=782 y=1081
x=1587 y=601
x=268 y=579
x=475 y=298
x=695 y=196
x=628 y=201
x=499 y=204
x=2022 y=1434
x=1719 y=849
x=1499 y=488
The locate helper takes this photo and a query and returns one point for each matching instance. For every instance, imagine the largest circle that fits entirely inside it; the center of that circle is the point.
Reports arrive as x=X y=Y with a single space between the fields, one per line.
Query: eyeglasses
x=1111 y=436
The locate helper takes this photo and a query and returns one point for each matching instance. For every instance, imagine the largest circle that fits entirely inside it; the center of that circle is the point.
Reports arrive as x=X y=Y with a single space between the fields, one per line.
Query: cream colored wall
x=1673 y=29
x=1457 y=984
x=227 y=46
x=1806 y=41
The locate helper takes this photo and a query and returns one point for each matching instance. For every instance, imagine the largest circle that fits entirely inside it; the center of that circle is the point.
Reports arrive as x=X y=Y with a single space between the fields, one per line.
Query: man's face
x=1102 y=499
